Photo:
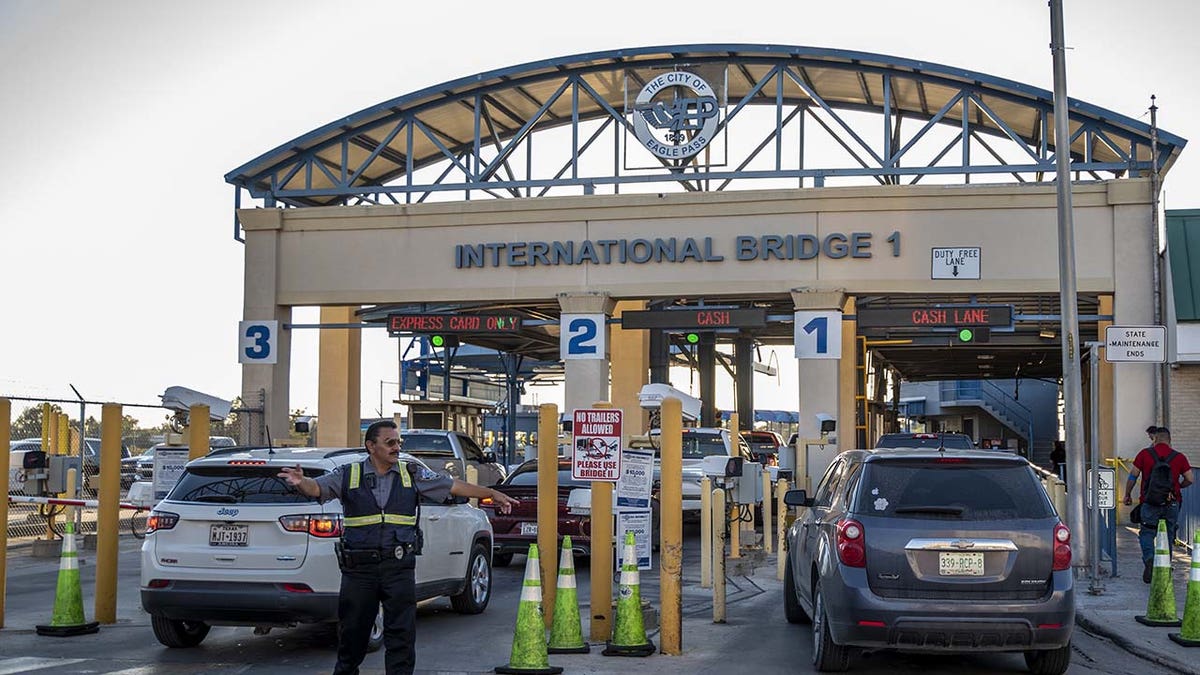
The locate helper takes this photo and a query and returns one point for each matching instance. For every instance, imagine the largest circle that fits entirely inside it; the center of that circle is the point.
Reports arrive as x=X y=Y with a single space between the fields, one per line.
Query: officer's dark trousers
x=392 y=583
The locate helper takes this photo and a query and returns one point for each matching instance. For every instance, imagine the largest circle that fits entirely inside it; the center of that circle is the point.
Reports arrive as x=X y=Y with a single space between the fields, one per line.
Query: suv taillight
x=851 y=546
x=160 y=520
x=1062 y=548
x=325 y=527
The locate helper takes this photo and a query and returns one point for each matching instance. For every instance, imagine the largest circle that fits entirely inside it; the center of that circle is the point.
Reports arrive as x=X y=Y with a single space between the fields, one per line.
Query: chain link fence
x=73 y=430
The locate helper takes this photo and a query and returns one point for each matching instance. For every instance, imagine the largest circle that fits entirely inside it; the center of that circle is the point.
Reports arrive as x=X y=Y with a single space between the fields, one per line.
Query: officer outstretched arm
x=503 y=502
x=295 y=477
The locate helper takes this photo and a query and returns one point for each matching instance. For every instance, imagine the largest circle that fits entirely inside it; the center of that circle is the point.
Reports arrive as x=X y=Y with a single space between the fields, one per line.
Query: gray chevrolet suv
x=930 y=550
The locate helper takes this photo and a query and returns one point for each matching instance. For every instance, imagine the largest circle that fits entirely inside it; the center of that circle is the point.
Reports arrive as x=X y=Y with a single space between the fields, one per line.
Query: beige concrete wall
x=353 y=255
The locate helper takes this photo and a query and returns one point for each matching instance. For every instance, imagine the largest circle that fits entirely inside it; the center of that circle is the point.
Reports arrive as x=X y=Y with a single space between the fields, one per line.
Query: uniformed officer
x=380 y=541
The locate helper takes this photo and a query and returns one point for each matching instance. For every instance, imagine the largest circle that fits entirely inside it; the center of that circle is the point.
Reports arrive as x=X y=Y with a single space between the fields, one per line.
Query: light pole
x=1072 y=388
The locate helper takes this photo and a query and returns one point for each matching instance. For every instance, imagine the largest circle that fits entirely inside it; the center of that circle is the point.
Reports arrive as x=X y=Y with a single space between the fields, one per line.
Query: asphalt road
x=755 y=639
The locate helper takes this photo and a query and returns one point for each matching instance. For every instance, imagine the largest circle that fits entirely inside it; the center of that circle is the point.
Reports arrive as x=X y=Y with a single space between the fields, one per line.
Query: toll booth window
x=422 y=444
x=238 y=485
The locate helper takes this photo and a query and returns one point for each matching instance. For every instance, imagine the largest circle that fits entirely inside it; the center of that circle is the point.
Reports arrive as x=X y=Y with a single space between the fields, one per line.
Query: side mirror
x=797 y=498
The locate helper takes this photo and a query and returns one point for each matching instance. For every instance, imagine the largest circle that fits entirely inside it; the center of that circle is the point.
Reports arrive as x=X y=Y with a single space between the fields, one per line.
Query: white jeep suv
x=233 y=545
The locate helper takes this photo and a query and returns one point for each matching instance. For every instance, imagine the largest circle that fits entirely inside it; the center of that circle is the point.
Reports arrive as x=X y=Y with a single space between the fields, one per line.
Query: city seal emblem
x=675 y=115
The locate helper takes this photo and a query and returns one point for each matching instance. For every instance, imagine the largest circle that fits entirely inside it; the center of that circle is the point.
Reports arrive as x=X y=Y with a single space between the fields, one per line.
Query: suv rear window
x=238 y=485
x=696 y=446
x=426 y=444
x=951 y=489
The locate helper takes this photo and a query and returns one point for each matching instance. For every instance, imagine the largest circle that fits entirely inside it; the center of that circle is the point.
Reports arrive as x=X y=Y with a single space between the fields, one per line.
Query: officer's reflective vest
x=365 y=525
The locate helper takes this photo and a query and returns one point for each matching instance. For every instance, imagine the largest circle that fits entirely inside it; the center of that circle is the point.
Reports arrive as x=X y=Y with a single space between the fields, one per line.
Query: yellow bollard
x=781 y=489
x=718 y=547
x=735 y=529
x=198 y=426
x=602 y=555
x=766 y=512
x=108 y=516
x=547 y=505
x=671 y=560
x=5 y=488
x=706 y=532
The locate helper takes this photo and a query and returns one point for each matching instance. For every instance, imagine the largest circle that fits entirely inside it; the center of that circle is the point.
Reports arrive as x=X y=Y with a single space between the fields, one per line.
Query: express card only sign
x=597 y=445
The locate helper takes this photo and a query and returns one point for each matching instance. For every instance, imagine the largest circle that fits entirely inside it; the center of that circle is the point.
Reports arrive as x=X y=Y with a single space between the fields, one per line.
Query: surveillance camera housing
x=828 y=423
x=721 y=466
x=651 y=397
x=181 y=399
x=303 y=424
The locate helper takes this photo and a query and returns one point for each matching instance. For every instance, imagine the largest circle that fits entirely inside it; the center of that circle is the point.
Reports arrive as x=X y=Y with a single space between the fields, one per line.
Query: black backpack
x=1159 y=488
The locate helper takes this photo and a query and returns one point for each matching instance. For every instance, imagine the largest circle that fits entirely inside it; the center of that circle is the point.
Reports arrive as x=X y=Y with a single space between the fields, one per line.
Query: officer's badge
x=427 y=474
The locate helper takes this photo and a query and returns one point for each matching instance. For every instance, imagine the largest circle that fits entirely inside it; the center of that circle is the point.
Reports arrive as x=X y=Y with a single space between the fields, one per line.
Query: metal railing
x=992 y=398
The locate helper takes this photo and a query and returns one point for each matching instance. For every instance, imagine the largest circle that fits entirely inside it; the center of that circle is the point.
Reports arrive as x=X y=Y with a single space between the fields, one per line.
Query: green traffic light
x=693 y=338
x=966 y=335
x=437 y=341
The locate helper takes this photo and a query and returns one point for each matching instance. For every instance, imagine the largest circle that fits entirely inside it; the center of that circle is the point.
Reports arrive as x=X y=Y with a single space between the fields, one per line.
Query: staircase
x=994 y=400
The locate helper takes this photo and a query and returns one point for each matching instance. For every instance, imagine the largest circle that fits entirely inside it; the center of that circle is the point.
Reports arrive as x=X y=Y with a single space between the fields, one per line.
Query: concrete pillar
x=848 y=379
x=819 y=383
x=630 y=368
x=586 y=379
x=266 y=382
x=339 y=383
x=1106 y=394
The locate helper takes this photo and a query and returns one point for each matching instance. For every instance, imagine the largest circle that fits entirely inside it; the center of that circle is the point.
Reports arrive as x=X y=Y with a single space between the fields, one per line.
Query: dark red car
x=513 y=532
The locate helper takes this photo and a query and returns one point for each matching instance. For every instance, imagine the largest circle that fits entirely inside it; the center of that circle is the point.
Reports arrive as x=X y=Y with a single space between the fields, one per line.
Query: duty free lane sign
x=597 y=455
x=957 y=262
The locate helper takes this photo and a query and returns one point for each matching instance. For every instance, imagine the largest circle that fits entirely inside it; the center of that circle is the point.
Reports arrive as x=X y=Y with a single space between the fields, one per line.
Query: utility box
x=748 y=487
x=56 y=478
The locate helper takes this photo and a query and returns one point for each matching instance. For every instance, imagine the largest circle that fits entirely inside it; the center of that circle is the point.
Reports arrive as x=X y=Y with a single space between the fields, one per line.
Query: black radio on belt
x=349 y=558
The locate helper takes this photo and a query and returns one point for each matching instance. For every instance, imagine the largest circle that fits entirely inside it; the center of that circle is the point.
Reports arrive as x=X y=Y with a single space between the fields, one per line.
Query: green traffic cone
x=67 y=619
x=1160 y=610
x=629 y=635
x=529 y=639
x=566 y=631
x=1189 y=634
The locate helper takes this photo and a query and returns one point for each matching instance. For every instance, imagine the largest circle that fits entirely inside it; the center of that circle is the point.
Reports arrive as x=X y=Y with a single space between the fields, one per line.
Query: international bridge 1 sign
x=597 y=454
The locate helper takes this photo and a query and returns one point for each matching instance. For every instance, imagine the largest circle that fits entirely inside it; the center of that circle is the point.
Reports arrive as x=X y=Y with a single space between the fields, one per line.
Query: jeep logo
x=227 y=512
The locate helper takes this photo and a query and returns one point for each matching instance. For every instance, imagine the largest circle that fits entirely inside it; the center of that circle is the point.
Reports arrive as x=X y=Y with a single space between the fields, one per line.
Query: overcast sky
x=118 y=119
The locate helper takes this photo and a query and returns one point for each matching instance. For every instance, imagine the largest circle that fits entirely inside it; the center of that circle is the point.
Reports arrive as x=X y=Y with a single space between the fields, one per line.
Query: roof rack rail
x=343 y=451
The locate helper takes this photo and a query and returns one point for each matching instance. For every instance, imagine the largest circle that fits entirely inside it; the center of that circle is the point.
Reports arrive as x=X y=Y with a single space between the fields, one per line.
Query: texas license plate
x=529 y=529
x=229 y=534
x=953 y=564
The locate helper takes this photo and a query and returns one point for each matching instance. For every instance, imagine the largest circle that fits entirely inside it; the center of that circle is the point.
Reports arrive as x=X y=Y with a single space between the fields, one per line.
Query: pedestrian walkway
x=1111 y=614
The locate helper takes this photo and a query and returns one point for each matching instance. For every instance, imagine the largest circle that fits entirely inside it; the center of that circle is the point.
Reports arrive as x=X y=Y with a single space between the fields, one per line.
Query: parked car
x=764 y=446
x=232 y=544
x=930 y=550
x=514 y=531
x=949 y=440
x=91 y=463
x=452 y=451
x=144 y=463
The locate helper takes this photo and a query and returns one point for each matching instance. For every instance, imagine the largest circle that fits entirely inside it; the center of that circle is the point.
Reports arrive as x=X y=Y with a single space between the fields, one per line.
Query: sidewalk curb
x=1128 y=645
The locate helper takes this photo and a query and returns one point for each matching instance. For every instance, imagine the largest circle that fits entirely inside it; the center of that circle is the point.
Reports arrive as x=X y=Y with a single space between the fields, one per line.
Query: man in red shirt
x=1181 y=477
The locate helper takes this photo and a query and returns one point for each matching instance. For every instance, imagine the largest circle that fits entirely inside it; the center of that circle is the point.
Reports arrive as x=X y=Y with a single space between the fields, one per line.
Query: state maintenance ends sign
x=1146 y=344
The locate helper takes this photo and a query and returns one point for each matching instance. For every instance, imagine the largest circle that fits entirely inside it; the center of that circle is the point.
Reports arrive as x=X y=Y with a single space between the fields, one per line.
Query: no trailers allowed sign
x=597 y=444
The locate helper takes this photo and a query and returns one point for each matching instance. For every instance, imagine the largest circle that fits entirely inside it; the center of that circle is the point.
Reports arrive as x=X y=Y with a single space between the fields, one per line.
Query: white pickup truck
x=452 y=451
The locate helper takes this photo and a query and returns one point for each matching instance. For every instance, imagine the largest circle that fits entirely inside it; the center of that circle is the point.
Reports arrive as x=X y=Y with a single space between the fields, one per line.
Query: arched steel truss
x=475 y=136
